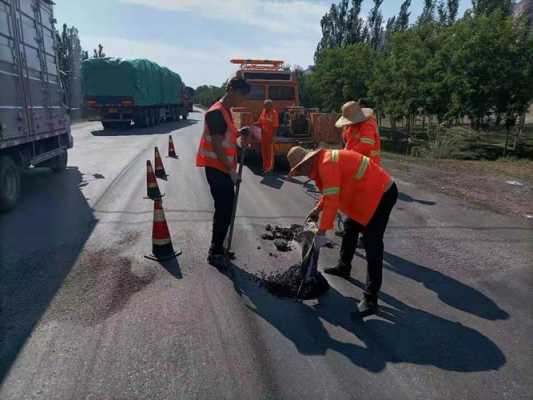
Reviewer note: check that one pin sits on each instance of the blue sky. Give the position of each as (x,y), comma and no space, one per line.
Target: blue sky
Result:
(197,38)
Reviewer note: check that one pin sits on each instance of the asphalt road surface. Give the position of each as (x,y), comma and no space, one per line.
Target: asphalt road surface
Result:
(85,316)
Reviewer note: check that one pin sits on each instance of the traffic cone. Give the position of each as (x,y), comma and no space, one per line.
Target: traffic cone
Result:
(151,183)
(159,168)
(171,149)
(162,249)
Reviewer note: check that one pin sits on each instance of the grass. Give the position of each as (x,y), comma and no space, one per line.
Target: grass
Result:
(505,168)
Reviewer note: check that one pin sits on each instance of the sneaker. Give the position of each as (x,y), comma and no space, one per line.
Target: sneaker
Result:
(365,308)
(338,270)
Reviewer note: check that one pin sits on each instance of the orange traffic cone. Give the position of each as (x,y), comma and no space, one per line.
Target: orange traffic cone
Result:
(151,183)
(171,149)
(162,249)
(159,169)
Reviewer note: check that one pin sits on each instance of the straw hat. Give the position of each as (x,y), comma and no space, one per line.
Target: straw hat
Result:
(352,113)
(298,156)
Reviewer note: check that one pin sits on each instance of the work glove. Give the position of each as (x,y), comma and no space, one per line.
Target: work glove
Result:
(235,177)
(245,131)
(320,240)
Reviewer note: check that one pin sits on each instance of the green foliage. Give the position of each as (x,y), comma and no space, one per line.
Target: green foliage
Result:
(99,53)
(206,95)
(480,7)
(341,75)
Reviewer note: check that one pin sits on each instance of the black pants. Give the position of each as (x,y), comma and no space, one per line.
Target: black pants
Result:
(373,241)
(223,192)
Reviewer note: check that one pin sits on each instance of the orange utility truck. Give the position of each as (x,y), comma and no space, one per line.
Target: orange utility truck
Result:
(270,79)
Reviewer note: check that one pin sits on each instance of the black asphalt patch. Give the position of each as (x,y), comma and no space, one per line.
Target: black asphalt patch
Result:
(289,284)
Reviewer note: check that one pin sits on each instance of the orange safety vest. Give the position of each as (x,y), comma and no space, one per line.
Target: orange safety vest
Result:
(269,121)
(364,138)
(350,182)
(206,156)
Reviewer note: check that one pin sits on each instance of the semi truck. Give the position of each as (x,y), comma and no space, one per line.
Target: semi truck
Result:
(34,122)
(120,92)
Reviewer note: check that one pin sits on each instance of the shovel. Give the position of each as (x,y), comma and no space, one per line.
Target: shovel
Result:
(310,255)
(234,211)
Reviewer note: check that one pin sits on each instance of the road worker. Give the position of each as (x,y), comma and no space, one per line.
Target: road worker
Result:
(362,190)
(269,123)
(360,133)
(360,130)
(218,154)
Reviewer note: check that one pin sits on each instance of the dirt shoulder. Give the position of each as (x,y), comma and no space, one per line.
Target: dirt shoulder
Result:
(505,187)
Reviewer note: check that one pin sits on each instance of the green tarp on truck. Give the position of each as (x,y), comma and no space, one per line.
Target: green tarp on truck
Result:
(144,81)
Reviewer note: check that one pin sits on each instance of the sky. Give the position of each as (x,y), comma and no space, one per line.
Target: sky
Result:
(197,38)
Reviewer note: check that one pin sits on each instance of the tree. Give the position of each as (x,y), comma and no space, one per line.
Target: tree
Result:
(375,21)
(341,75)
(206,95)
(453,9)
(428,13)
(480,7)
(402,22)
(99,53)
(442,12)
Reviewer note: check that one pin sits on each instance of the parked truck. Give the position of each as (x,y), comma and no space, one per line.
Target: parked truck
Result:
(34,123)
(124,91)
(269,79)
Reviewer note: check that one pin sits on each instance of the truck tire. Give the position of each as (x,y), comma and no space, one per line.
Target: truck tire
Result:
(10,183)
(107,125)
(59,164)
(155,113)
(185,116)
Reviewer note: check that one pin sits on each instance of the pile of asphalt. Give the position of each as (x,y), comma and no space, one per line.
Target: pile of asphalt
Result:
(283,235)
(288,284)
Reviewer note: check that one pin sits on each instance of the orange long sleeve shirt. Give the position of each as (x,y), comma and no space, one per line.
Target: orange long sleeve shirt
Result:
(364,138)
(269,121)
(349,182)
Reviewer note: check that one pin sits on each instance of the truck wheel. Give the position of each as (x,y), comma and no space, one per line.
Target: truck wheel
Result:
(10,183)
(156,117)
(107,125)
(185,116)
(59,163)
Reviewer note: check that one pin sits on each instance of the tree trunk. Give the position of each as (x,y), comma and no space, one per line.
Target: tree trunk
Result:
(508,131)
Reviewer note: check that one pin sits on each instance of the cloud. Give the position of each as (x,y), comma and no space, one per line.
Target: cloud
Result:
(290,16)
(198,66)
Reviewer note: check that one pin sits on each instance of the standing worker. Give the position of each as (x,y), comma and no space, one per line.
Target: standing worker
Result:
(218,154)
(360,133)
(362,190)
(360,130)
(269,123)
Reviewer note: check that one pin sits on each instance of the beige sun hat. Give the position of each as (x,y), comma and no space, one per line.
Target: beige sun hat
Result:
(352,113)
(298,156)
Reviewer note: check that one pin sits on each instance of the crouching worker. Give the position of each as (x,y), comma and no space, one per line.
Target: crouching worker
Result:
(218,154)
(362,190)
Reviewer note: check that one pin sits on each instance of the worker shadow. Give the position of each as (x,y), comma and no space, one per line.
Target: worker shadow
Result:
(449,290)
(399,334)
(273,179)
(408,199)
(163,128)
(41,240)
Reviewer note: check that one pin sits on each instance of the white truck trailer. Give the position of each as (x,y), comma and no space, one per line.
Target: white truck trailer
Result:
(34,122)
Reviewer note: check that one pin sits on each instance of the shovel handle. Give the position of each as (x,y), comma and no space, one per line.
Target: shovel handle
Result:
(237,190)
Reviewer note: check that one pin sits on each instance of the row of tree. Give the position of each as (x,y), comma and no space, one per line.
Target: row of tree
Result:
(477,66)
(207,94)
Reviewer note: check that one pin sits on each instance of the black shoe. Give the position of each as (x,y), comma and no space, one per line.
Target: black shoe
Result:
(338,270)
(217,260)
(365,308)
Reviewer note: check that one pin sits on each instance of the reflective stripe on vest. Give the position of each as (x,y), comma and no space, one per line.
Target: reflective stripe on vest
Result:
(226,143)
(367,140)
(375,153)
(331,191)
(362,168)
(335,155)
(213,155)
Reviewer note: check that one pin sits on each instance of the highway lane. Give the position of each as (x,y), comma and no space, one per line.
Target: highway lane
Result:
(85,316)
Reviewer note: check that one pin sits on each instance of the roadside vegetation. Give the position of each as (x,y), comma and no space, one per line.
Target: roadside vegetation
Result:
(442,86)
